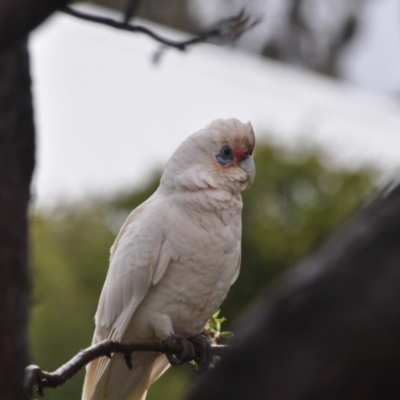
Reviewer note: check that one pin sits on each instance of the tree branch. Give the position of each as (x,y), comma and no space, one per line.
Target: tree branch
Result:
(35,376)
(229,29)
(17,159)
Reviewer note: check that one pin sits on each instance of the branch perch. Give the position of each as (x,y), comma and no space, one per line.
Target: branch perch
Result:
(229,29)
(34,375)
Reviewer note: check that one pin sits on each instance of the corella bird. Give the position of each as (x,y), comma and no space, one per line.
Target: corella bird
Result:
(174,258)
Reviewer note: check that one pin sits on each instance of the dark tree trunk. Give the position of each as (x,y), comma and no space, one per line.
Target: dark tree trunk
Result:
(19,17)
(17,147)
(16,168)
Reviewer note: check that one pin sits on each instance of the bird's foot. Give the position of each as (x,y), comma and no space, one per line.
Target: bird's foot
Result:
(204,355)
(188,352)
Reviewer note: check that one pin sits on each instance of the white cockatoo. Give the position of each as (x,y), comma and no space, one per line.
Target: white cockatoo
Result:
(174,258)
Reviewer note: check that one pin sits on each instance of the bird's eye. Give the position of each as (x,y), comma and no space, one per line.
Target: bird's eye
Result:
(225,156)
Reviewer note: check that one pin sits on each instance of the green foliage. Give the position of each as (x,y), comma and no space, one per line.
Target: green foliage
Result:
(213,329)
(69,263)
(295,201)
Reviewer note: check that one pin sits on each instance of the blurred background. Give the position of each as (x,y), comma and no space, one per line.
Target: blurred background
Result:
(320,81)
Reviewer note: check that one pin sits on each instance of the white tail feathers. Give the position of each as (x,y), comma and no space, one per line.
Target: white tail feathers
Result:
(112,380)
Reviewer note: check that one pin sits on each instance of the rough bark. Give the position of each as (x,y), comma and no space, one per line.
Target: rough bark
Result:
(16,167)
(333,330)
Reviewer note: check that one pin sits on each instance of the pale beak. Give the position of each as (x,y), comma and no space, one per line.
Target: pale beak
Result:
(247,165)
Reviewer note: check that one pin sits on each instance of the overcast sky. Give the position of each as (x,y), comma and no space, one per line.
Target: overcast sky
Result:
(106,117)
(373,59)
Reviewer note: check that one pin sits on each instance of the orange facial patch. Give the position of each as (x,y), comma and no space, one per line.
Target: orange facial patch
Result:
(239,154)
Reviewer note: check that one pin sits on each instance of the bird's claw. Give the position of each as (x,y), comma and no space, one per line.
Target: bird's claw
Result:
(204,354)
(188,352)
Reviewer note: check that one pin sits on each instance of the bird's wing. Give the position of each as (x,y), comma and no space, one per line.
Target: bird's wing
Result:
(139,258)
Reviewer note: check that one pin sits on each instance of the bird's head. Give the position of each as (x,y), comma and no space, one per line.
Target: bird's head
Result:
(216,157)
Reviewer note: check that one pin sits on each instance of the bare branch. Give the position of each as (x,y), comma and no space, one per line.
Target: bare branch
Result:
(35,376)
(228,30)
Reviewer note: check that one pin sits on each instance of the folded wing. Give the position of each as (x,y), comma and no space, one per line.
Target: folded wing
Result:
(138,260)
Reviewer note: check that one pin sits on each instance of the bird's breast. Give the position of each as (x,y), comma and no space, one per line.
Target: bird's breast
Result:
(191,292)
(205,251)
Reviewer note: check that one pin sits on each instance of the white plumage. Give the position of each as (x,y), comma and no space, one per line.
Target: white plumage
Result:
(174,258)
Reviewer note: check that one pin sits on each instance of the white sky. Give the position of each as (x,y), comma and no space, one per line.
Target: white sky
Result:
(373,58)
(106,116)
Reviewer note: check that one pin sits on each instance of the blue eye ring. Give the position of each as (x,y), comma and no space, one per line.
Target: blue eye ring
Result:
(225,155)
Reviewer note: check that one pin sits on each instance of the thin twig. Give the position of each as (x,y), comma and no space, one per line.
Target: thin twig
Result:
(35,376)
(229,29)
(131,9)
